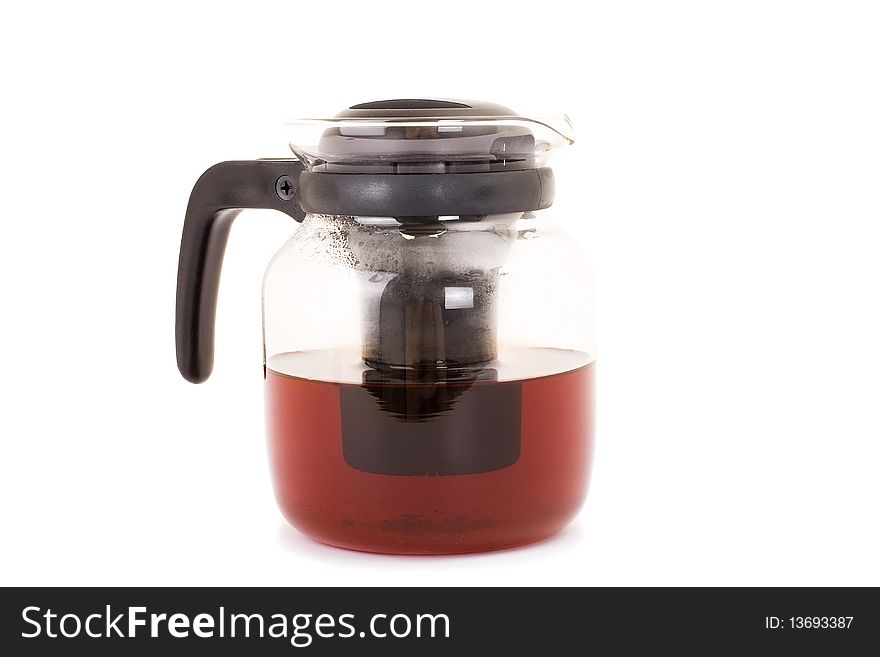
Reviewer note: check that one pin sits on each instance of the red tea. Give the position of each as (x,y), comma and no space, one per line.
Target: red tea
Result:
(474,462)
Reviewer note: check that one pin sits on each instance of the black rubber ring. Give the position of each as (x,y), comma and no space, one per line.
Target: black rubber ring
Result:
(422,195)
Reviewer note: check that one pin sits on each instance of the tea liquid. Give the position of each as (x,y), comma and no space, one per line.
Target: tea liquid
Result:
(478,461)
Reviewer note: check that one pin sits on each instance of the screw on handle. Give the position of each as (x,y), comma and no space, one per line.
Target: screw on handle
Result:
(217,198)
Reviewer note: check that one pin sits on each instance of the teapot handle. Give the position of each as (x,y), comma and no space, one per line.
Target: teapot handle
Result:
(217,198)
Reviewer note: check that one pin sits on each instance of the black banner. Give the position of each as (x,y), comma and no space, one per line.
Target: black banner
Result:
(337,621)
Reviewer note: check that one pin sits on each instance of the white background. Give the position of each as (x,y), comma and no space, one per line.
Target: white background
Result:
(725,184)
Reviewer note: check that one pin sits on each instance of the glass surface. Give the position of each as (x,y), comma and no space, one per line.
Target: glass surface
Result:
(430,387)
(425,144)
(324,288)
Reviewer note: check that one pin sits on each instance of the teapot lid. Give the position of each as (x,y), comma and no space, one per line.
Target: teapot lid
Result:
(427,135)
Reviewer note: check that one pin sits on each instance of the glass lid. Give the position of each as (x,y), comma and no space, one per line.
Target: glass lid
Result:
(427,136)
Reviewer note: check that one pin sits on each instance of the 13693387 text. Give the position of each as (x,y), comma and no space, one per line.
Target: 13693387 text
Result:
(808,622)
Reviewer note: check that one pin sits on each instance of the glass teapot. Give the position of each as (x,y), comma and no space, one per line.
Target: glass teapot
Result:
(428,333)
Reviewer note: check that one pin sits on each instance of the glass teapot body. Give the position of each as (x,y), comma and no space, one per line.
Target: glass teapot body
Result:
(429,375)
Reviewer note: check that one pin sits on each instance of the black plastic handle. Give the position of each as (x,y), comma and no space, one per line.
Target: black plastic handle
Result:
(218,196)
